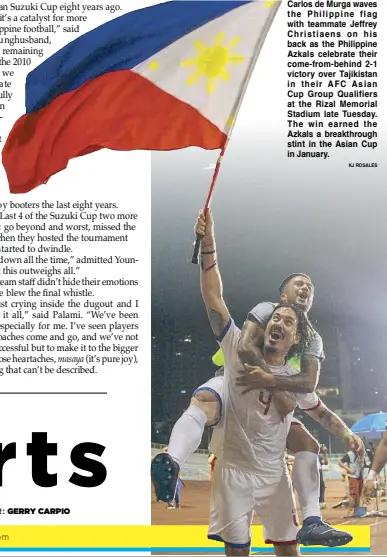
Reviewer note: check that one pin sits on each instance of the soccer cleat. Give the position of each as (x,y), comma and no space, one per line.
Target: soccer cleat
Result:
(164,474)
(321,533)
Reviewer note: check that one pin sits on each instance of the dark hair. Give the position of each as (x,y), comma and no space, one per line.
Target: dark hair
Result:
(289,277)
(304,329)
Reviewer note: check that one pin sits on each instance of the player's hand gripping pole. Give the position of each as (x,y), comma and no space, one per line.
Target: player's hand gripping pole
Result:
(195,255)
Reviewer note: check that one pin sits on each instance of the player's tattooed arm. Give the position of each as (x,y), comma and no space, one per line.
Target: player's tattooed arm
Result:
(304,382)
(332,423)
(380,458)
(378,463)
(250,343)
(210,279)
(216,320)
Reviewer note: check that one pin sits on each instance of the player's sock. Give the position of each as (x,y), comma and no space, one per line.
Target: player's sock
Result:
(187,434)
(306,481)
(311,520)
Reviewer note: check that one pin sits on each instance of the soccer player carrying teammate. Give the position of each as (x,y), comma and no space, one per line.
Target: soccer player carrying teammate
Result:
(251,474)
(206,404)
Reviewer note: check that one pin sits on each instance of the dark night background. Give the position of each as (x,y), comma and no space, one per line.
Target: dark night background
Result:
(270,220)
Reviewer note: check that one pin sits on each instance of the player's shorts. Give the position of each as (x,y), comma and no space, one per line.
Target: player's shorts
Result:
(235,495)
(215,386)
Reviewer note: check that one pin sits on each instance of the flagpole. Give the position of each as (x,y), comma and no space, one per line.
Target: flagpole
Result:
(261,40)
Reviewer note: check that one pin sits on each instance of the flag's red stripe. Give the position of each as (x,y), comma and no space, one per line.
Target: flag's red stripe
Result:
(120,110)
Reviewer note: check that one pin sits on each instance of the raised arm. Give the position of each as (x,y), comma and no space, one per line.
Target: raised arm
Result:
(210,279)
(332,423)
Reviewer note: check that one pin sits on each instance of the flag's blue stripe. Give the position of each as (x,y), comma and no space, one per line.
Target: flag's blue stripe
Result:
(120,44)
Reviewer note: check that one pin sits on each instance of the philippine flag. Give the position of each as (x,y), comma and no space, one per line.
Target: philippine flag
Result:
(164,77)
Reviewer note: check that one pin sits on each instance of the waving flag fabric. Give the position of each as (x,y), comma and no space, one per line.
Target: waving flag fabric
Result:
(164,77)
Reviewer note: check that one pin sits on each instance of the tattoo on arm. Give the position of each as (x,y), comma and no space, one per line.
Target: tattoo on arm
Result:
(380,457)
(299,383)
(330,421)
(305,381)
(216,321)
(250,345)
(255,358)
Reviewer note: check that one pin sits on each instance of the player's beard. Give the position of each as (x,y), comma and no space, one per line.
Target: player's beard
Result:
(277,350)
(273,350)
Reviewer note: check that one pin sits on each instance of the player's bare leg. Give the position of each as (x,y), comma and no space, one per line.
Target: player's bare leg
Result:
(306,481)
(185,439)
(287,549)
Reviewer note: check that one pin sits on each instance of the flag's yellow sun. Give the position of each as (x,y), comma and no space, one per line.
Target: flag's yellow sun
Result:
(211,62)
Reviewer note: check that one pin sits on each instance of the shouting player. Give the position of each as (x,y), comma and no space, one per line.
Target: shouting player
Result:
(205,408)
(250,474)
